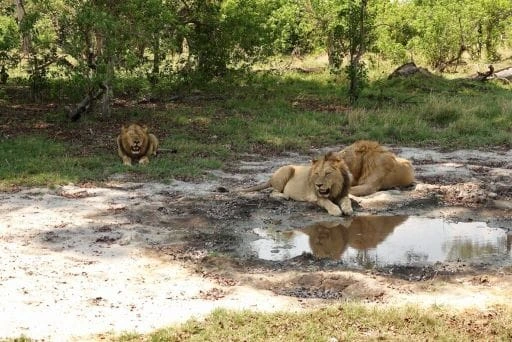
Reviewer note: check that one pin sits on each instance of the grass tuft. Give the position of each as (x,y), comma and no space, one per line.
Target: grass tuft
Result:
(349,321)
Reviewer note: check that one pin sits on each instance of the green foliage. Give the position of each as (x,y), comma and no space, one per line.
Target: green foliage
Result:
(9,40)
(394,30)
(188,43)
(440,31)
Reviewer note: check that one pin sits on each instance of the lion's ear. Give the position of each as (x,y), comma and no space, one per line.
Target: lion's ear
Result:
(362,149)
(123,128)
(145,128)
(334,156)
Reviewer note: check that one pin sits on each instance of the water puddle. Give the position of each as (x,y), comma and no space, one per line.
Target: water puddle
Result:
(378,241)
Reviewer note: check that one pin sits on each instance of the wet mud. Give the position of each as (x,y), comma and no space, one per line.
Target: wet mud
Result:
(456,218)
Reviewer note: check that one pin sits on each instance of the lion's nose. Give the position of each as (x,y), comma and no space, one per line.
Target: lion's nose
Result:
(319,185)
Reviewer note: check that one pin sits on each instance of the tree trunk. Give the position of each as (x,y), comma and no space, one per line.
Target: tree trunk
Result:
(26,46)
(156,57)
(356,52)
(107,86)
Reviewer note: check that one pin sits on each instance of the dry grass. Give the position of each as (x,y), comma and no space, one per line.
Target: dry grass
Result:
(346,322)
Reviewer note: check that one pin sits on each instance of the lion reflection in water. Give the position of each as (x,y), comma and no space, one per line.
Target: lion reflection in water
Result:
(330,239)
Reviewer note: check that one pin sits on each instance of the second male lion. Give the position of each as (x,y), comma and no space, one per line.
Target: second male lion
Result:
(135,144)
(326,182)
(375,168)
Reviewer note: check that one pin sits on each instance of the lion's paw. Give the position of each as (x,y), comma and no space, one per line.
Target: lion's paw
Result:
(348,211)
(279,195)
(335,211)
(346,206)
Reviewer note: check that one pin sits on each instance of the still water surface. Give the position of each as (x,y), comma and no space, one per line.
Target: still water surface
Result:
(370,241)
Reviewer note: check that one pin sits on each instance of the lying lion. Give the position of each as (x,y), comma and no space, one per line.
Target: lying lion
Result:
(325,182)
(136,144)
(375,168)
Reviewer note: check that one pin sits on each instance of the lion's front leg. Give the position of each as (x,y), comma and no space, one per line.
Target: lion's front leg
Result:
(363,189)
(126,159)
(346,206)
(144,160)
(368,186)
(279,195)
(331,208)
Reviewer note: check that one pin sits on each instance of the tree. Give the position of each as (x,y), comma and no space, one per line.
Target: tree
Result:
(359,26)
(9,41)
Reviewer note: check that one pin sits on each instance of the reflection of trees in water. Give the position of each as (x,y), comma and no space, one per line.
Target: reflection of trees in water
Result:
(466,249)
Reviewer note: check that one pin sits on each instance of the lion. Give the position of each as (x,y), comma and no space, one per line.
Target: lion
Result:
(375,168)
(326,182)
(136,144)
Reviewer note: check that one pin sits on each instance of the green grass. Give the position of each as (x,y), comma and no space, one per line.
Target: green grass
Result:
(35,160)
(38,160)
(347,322)
(261,113)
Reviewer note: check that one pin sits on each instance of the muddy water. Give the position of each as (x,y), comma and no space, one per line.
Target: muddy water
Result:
(380,241)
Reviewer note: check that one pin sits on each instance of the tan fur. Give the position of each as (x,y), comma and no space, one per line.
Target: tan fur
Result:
(375,168)
(330,239)
(326,182)
(135,144)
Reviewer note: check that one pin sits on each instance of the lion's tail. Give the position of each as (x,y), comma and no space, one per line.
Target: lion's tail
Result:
(257,187)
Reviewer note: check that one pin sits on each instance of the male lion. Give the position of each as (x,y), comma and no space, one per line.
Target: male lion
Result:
(375,168)
(136,144)
(325,182)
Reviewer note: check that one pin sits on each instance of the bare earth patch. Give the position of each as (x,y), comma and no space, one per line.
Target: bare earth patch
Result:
(80,261)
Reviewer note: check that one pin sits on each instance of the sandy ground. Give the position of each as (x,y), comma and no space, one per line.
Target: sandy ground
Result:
(79,261)
(69,268)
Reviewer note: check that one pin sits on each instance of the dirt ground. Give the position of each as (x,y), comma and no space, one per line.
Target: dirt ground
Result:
(79,262)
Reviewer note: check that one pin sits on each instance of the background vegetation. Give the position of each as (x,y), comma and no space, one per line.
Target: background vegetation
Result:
(214,79)
(172,43)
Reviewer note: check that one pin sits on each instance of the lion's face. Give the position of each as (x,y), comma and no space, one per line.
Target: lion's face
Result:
(134,139)
(329,176)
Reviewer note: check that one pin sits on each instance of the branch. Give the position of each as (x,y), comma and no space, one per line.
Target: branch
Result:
(83,106)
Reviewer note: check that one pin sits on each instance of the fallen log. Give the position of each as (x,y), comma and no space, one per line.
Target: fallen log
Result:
(483,76)
(504,75)
(84,106)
